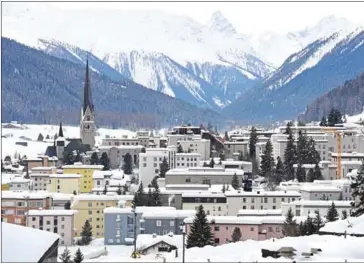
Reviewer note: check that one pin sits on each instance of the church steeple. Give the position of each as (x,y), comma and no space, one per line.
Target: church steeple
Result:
(87,96)
(60,132)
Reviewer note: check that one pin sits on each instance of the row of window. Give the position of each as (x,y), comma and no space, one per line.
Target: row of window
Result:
(21,204)
(159,223)
(265,200)
(90,204)
(261,207)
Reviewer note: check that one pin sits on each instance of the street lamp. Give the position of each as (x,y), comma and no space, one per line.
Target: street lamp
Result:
(135,215)
(183,230)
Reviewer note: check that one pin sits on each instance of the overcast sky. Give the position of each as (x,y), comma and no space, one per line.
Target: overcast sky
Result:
(245,17)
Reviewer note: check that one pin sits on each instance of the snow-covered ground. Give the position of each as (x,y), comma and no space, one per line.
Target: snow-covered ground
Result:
(334,249)
(355,118)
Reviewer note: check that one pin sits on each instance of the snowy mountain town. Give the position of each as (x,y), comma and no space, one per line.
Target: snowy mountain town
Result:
(139,153)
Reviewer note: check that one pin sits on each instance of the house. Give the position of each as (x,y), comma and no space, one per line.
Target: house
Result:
(305,207)
(116,154)
(259,200)
(14,205)
(25,244)
(64,183)
(91,207)
(153,244)
(60,222)
(203,175)
(231,147)
(321,192)
(86,172)
(164,222)
(40,161)
(20,184)
(101,178)
(119,223)
(214,203)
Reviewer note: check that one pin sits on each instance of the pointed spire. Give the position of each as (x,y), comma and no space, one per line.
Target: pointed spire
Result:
(60,132)
(87,98)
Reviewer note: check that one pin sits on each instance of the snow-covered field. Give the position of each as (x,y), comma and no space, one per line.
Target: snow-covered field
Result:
(334,249)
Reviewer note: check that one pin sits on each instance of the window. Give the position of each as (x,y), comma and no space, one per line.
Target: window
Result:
(278,229)
(188,180)
(158,223)
(163,249)
(48,229)
(227,228)
(33,218)
(265,200)
(219,208)
(17,221)
(261,207)
(144,164)
(62,226)
(155,164)
(89,204)
(217,240)
(252,207)
(208,212)
(171,223)
(217,228)
(274,200)
(90,212)
(270,229)
(244,207)
(48,223)
(164,232)
(155,159)
(244,200)
(282,199)
(293,199)
(130,220)
(274,207)
(62,219)
(252,229)
(110,241)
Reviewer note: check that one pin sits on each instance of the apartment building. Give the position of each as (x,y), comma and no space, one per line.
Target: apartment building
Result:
(40,181)
(214,203)
(14,205)
(44,170)
(60,222)
(20,184)
(143,137)
(65,183)
(59,200)
(116,154)
(323,192)
(233,147)
(119,141)
(91,207)
(101,178)
(86,172)
(259,200)
(253,212)
(203,175)
(306,207)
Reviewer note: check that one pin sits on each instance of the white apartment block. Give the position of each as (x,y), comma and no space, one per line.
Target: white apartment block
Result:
(119,141)
(101,178)
(60,222)
(116,154)
(44,170)
(214,203)
(232,147)
(192,143)
(143,137)
(20,184)
(259,200)
(40,181)
(305,207)
(323,192)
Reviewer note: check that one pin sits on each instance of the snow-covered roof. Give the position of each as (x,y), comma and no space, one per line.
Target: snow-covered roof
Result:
(250,220)
(43,168)
(169,214)
(51,212)
(39,175)
(244,212)
(65,176)
(139,209)
(25,195)
(351,225)
(93,197)
(17,180)
(349,155)
(319,203)
(82,166)
(145,240)
(203,194)
(236,142)
(322,188)
(24,244)
(62,196)
(168,186)
(101,174)
(306,165)
(207,171)
(263,193)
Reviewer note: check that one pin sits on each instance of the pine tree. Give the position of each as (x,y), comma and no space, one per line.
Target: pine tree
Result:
(222,156)
(179,148)
(332,214)
(67,205)
(289,157)
(289,226)
(65,257)
(150,197)
(156,193)
(200,234)
(236,236)
(105,161)
(119,191)
(143,150)
(310,227)
(252,142)
(74,192)
(94,158)
(357,187)
(226,136)
(267,166)
(40,137)
(164,168)
(86,233)
(323,121)
(288,128)
(302,230)
(105,190)
(241,157)
(310,175)
(235,182)
(312,155)
(47,137)
(128,164)
(300,173)
(279,171)
(302,148)
(344,215)
(223,188)
(317,173)
(139,196)
(78,157)
(212,163)
(318,223)
(78,258)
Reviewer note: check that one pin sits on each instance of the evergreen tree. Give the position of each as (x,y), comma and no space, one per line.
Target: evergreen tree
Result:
(289,157)
(139,196)
(94,158)
(74,192)
(279,171)
(252,142)
(222,156)
(68,158)
(47,137)
(236,236)
(119,191)
(241,157)
(300,173)
(105,190)
(212,163)
(40,137)
(223,188)
(344,215)
(310,227)
(205,164)
(332,214)
(150,197)
(334,117)
(128,164)
(65,257)
(156,193)
(288,128)
(78,258)
(67,205)
(200,234)
(323,121)
(302,230)
(302,148)
(267,166)
(289,226)
(317,173)
(78,157)
(312,155)
(310,175)
(357,187)
(143,150)
(318,223)
(105,161)
(235,182)
(86,233)
(179,148)
(164,167)
(226,136)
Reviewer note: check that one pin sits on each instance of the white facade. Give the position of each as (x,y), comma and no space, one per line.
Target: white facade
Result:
(258,200)
(213,203)
(191,143)
(323,192)
(40,181)
(20,184)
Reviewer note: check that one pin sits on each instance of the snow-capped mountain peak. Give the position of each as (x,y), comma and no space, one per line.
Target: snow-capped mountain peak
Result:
(220,23)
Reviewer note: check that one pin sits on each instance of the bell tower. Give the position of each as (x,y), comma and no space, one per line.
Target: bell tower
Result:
(87,124)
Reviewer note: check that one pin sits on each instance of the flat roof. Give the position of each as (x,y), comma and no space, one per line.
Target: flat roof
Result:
(51,212)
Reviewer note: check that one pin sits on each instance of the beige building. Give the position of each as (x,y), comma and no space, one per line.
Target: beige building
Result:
(91,207)
(64,183)
(60,222)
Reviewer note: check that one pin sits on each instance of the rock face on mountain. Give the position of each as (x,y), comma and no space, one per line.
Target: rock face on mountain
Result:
(39,88)
(348,99)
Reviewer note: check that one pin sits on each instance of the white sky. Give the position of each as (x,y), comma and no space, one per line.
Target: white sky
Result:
(245,17)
